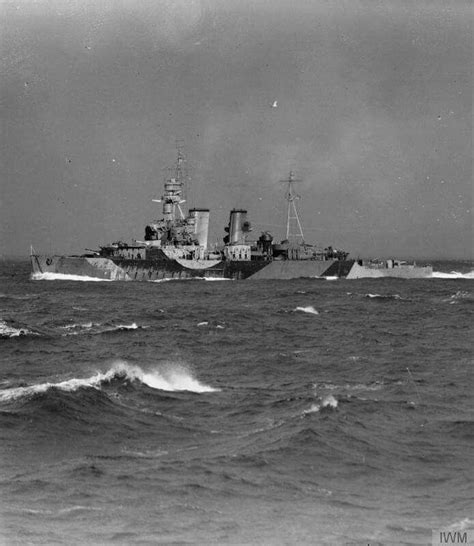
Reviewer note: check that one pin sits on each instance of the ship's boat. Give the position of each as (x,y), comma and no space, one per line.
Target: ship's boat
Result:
(176,247)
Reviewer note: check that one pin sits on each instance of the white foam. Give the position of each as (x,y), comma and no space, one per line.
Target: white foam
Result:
(10,331)
(68,385)
(310,309)
(329,402)
(452,275)
(86,325)
(384,296)
(203,323)
(313,409)
(48,276)
(174,377)
(76,329)
(133,326)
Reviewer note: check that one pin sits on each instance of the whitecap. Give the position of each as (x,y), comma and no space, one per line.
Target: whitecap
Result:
(313,409)
(329,402)
(310,309)
(175,378)
(86,326)
(10,331)
(133,326)
(68,385)
(203,323)
(384,296)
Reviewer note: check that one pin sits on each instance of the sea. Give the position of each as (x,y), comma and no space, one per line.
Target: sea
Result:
(307,411)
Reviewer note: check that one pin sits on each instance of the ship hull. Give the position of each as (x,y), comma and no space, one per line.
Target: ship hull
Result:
(153,270)
(120,269)
(398,272)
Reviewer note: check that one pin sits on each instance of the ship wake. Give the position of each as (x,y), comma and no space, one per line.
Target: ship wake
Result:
(453,275)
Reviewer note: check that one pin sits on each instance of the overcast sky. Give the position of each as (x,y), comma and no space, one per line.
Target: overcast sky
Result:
(373,113)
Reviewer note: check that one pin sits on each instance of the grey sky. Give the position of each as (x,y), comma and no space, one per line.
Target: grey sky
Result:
(374,114)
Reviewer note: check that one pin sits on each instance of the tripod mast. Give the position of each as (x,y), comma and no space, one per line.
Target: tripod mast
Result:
(292,219)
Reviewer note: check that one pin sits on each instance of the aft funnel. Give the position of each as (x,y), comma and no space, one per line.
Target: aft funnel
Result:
(201,225)
(238,226)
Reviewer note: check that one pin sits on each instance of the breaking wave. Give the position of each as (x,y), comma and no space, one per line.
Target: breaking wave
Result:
(93,328)
(328,403)
(309,309)
(85,326)
(173,378)
(384,296)
(64,277)
(7,330)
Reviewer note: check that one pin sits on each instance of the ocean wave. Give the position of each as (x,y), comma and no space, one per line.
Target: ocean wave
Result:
(375,386)
(85,326)
(458,297)
(22,297)
(328,403)
(147,454)
(95,328)
(8,330)
(461,525)
(309,309)
(452,275)
(384,296)
(313,409)
(211,324)
(48,276)
(61,511)
(174,377)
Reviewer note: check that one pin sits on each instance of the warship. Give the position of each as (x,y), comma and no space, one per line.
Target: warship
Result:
(176,247)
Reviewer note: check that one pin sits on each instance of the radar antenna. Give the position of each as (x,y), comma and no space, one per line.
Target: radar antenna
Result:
(292,219)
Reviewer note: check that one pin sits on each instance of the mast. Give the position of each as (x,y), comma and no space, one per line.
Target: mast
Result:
(175,187)
(292,218)
(181,174)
